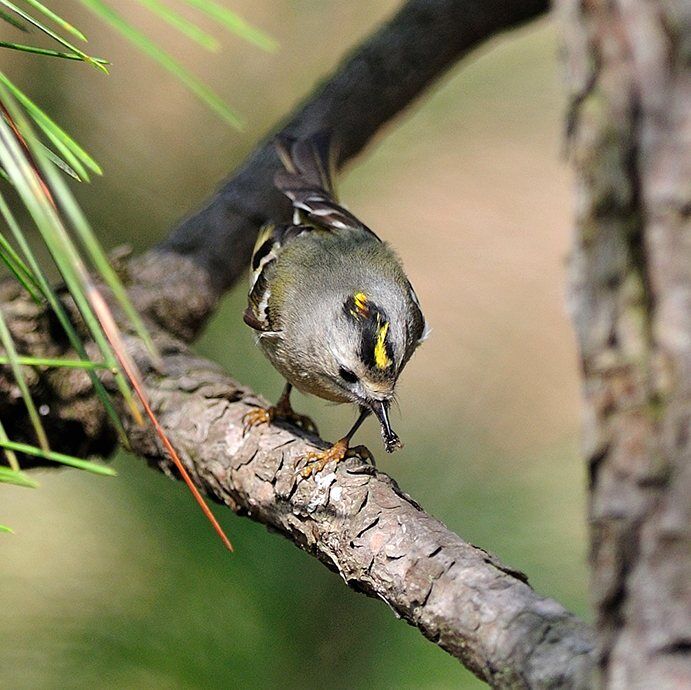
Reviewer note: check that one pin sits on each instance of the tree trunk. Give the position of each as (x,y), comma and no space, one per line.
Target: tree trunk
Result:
(630,134)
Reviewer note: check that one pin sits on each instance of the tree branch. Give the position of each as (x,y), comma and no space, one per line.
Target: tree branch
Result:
(356,520)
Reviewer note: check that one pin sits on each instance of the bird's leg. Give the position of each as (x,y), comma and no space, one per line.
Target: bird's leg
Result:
(282,410)
(317,460)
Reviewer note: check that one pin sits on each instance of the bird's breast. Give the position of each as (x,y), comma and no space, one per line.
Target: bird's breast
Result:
(291,367)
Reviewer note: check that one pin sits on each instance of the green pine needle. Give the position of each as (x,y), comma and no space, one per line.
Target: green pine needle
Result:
(70,150)
(25,170)
(55,363)
(59,163)
(183,25)
(235,23)
(8,476)
(16,23)
(202,91)
(56,37)
(62,23)
(20,270)
(9,454)
(31,188)
(48,52)
(60,458)
(19,275)
(8,345)
(98,257)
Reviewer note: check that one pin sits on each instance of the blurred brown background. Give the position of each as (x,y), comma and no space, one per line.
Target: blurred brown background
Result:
(120,583)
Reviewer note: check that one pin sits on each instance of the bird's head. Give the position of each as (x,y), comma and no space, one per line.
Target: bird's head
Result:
(369,344)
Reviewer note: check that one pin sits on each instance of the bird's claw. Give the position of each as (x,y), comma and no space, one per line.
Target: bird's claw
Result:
(256,417)
(316,461)
(261,415)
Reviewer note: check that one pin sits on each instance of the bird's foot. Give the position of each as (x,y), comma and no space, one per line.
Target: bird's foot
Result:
(318,460)
(282,411)
(256,417)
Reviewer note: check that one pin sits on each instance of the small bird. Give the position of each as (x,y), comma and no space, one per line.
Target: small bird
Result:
(330,302)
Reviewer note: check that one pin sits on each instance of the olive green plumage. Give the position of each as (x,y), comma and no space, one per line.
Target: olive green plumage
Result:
(331,303)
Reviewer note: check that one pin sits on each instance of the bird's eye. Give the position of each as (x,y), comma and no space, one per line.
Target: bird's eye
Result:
(347,375)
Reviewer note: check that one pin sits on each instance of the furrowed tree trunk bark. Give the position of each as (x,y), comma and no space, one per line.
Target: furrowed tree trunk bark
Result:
(627,63)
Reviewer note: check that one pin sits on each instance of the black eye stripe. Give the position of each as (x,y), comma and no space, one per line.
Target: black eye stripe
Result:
(347,375)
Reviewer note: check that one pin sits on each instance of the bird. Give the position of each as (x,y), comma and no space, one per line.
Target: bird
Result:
(330,302)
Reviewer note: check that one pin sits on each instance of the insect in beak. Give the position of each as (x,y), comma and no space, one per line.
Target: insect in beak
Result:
(381,410)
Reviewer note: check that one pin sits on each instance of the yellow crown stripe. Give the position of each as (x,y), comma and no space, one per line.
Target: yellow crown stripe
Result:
(381,359)
(360,299)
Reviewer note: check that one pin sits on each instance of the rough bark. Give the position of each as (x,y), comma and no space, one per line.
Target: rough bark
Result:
(628,66)
(355,520)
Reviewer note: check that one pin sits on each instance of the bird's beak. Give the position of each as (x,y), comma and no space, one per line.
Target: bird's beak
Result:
(391,440)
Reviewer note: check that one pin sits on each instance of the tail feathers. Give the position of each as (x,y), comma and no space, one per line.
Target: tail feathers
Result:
(308,182)
(309,165)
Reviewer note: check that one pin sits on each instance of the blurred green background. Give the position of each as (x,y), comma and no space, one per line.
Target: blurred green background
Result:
(120,583)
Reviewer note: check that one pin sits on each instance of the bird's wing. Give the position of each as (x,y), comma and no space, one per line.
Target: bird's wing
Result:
(307,181)
(271,239)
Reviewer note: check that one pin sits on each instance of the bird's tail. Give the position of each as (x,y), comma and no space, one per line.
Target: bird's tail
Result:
(309,165)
